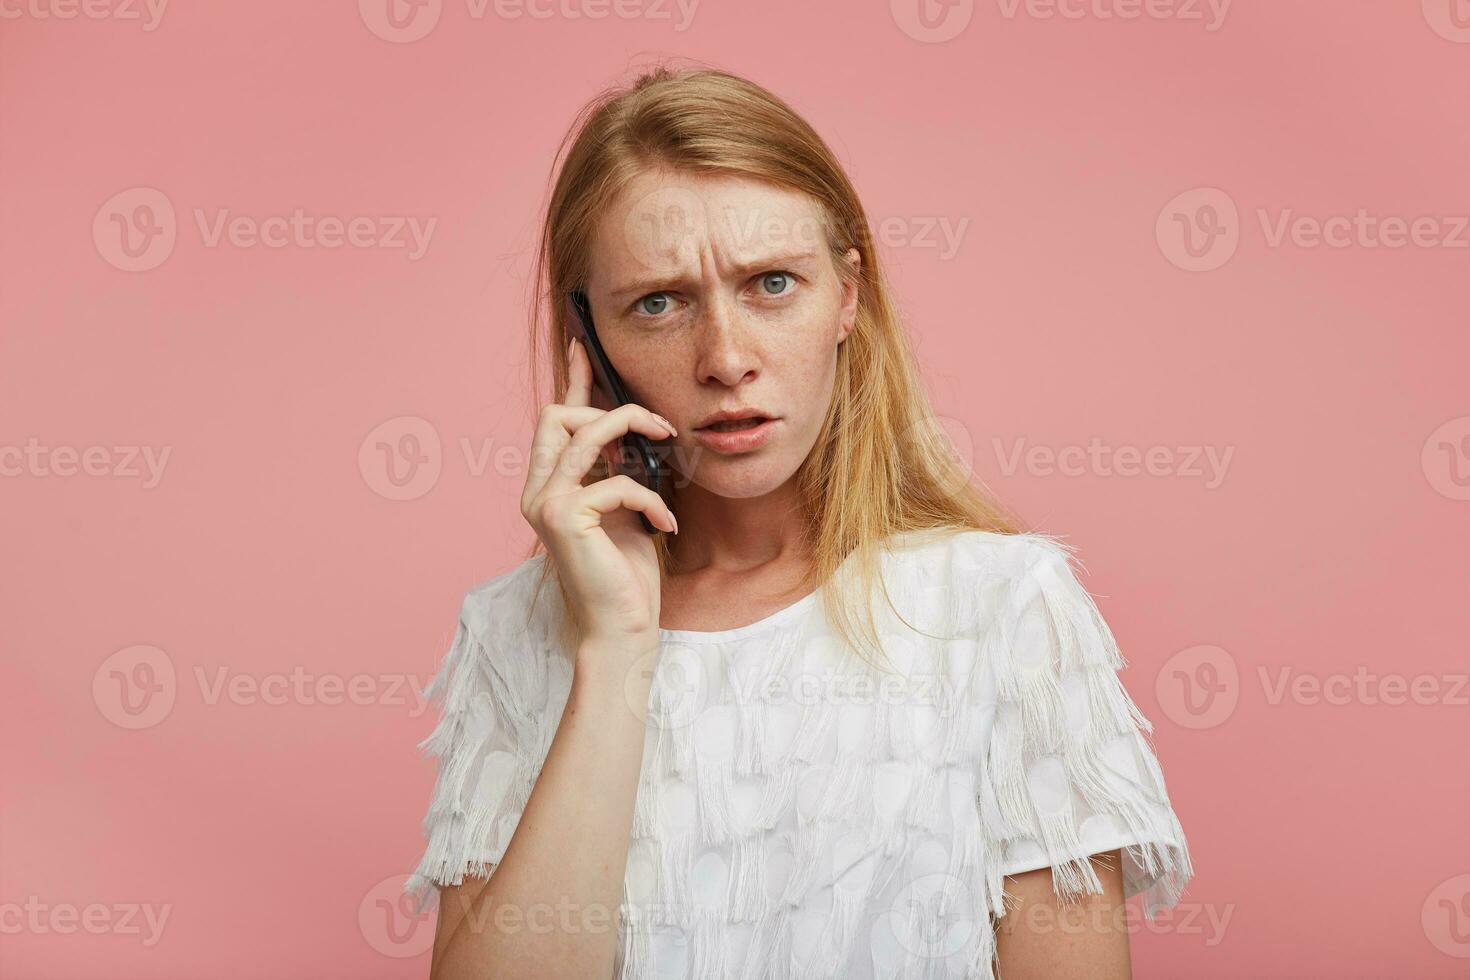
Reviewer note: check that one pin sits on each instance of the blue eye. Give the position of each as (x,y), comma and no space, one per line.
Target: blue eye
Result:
(661,299)
(781,279)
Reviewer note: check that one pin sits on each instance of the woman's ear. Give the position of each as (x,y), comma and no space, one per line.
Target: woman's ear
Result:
(847,315)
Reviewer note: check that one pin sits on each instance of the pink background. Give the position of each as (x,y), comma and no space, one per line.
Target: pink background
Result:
(1329,837)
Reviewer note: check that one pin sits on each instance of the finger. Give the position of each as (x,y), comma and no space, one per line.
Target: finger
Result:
(579,377)
(588,439)
(554,429)
(584,509)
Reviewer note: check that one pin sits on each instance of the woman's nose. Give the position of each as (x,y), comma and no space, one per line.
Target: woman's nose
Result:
(726,353)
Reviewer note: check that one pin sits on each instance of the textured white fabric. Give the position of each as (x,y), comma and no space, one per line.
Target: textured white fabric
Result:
(793,820)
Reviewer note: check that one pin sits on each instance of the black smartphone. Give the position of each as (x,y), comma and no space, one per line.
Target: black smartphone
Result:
(637,456)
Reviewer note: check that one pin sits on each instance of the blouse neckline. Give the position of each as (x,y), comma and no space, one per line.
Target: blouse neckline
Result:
(721,636)
(790,612)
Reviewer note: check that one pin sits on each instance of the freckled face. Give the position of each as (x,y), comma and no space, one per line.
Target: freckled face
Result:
(713,293)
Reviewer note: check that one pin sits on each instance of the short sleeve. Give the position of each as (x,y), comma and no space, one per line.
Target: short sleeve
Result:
(490,737)
(1070,771)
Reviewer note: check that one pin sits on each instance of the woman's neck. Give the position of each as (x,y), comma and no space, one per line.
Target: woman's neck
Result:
(735,535)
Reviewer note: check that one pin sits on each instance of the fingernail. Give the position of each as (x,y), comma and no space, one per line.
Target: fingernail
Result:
(571,348)
(675,520)
(667,424)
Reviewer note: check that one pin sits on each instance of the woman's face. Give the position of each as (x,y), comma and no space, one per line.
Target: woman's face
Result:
(714,293)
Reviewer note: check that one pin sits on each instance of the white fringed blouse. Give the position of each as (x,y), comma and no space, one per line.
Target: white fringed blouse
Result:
(801,813)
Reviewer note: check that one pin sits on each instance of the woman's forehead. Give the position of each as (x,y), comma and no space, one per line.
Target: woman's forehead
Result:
(669,223)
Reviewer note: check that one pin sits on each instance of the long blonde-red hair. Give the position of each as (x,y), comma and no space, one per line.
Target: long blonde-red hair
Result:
(881,464)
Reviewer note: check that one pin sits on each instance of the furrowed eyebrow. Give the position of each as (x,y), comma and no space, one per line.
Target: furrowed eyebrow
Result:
(654,284)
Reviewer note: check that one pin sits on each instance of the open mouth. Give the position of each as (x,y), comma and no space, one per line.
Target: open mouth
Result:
(734,436)
(736,425)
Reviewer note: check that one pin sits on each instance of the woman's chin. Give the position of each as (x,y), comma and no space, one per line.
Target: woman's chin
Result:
(740,478)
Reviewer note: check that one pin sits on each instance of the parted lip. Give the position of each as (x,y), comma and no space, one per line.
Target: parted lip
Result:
(733,415)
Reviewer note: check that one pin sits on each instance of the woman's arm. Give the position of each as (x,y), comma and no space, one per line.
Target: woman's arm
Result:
(550,908)
(1040,939)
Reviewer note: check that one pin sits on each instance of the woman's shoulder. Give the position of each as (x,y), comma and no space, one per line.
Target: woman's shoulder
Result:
(507,605)
(507,639)
(972,578)
(974,551)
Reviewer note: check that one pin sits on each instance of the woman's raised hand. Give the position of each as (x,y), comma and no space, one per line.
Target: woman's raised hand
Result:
(603,555)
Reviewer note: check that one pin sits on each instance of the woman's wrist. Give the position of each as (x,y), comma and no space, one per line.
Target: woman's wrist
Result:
(623,648)
(617,663)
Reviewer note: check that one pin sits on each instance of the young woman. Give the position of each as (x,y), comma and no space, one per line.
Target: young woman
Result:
(840,717)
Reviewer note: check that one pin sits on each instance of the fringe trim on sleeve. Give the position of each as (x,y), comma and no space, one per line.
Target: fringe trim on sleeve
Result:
(1051,634)
(487,741)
